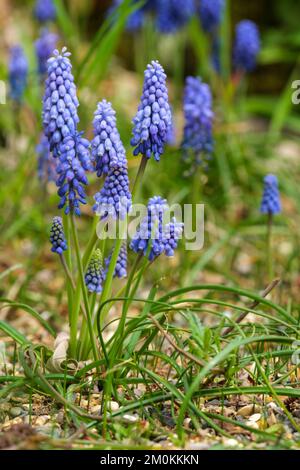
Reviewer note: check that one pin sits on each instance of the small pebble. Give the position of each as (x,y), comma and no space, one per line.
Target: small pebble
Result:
(130,418)
(15,411)
(248,410)
(95,409)
(42,420)
(113,406)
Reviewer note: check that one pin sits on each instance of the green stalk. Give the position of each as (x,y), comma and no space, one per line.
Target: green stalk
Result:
(84,339)
(83,347)
(139,176)
(270,263)
(91,244)
(111,269)
(83,289)
(120,330)
(67,265)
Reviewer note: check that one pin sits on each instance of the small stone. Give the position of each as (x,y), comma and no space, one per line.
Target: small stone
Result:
(255,417)
(271,420)
(130,418)
(248,410)
(113,406)
(15,411)
(42,420)
(252,424)
(60,417)
(95,409)
(12,422)
(231,442)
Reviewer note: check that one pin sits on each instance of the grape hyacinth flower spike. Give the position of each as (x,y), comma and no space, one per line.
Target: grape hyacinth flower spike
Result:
(211,12)
(173,14)
(246,47)
(172,232)
(46,161)
(94,275)
(73,161)
(153,119)
(270,203)
(60,103)
(121,265)
(197,138)
(148,239)
(57,236)
(45,10)
(114,199)
(107,149)
(18,72)
(44,46)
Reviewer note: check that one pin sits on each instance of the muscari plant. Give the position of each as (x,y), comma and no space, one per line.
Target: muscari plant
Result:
(270,206)
(44,46)
(45,10)
(91,284)
(197,142)
(18,73)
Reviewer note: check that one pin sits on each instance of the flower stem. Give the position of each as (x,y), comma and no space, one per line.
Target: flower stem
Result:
(83,289)
(139,176)
(111,269)
(67,271)
(270,263)
(120,330)
(67,265)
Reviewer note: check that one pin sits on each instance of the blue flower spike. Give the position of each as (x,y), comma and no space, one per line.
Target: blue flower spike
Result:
(211,13)
(60,103)
(45,10)
(246,46)
(153,120)
(153,237)
(46,162)
(18,73)
(44,47)
(270,203)
(121,265)
(107,149)
(197,138)
(172,15)
(57,236)
(94,275)
(114,199)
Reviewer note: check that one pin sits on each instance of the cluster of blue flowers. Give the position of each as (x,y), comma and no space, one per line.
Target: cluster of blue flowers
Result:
(153,237)
(94,275)
(153,120)
(57,236)
(46,161)
(197,138)
(18,73)
(45,11)
(44,46)
(172,15)
(247,46)
(107,148)
(60,117)
(270,203)
(75,156)
(121,264)
(114,199)
(210,12)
